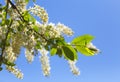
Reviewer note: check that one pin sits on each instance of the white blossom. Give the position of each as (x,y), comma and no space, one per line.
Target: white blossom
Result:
(21,4)
(15,71)
(73,67)
(40,12)
(29,55)
(64,29)
(45,62)
(10,55)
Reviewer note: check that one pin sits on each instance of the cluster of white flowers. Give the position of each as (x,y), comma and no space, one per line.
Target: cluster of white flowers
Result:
(15,71)
(54,31)
(45,62)
(64,29)
(9,55)
(93,48)
(73,67)
(30,41)
(17,42)
(40,12)
(58,30)
(3,31)
(29,55)
(21,4)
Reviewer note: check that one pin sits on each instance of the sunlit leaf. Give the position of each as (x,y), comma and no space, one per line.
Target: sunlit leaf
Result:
(82,40)
(85,51)
(53,51)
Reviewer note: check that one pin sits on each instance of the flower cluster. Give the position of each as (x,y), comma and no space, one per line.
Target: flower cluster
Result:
(73,67)
(29,55)
(40,12)
(64,29)
(54,31)
(45,62)
(21,4)
(15,71)
(10,55)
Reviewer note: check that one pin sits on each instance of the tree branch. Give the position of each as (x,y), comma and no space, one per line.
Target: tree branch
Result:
(14,7)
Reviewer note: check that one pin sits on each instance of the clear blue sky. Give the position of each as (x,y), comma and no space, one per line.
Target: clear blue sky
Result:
(100,18)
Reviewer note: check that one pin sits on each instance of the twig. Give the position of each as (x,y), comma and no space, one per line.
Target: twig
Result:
(14,7)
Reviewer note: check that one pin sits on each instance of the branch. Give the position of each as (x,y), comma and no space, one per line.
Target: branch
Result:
(14,7)
(22,19)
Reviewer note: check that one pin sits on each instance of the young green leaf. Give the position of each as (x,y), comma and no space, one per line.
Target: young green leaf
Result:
(69,53)
(85,51)
(53,51)
(82,40)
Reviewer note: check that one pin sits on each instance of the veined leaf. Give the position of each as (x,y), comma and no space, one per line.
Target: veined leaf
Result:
(69,53)
(85,51)
(82,40)
(53,51)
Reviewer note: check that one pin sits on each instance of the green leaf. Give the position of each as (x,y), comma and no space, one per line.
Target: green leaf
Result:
(59,52)
(85,51)
(53,51)
(69,53)
(36,28)
(82,40)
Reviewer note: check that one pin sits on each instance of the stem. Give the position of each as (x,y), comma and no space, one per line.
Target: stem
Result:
(14,7)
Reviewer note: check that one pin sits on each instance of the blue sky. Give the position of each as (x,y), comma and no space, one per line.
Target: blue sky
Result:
(100,18)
